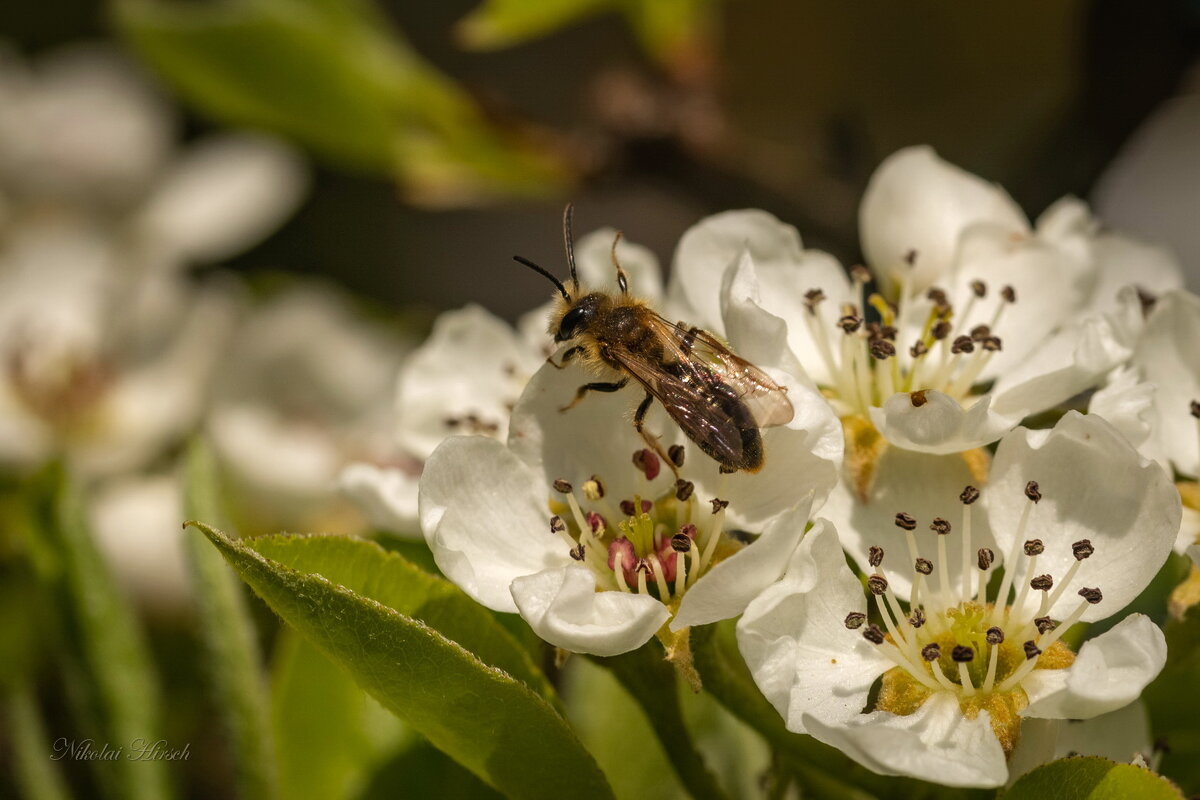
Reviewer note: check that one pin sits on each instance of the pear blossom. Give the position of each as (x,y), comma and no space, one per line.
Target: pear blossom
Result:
(466,378)
(1081,524)
(305,391)
(579,527)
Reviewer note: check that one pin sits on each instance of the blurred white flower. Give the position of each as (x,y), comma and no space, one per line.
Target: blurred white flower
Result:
(466,378)
(1082,524)
(83,135)
(578,527)
(305,391)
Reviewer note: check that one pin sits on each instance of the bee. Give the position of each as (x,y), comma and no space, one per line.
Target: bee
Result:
(719,400)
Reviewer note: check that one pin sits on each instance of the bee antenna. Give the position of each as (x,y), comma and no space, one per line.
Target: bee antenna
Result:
(569,242)
(557,283)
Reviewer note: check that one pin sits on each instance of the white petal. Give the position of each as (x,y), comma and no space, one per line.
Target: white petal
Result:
(273,455)
(917,202)
(1109,673)
(472,364)
(1094,486)
(1065,364)
(388,497)
(1126,403)
(1167,356)
(796,644)
(484,516)
(564,608)
(923,485)
(726,589)
(940,425)
(1125,261)
(137,526)
(1189,532)
(1119,735)
(224,195)
(595,437)
(714,244)
(935,743)
(593,257)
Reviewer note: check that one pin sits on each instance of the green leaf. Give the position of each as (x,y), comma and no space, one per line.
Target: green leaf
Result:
(422,771)
(108,658)
(651,680)
(1174,703)
(330,735)
(36,772)
(334,76)
(480,715)
(365,568)
(1091,778)
(231,641)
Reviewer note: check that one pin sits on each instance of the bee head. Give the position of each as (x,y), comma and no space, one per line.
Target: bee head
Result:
(578,317)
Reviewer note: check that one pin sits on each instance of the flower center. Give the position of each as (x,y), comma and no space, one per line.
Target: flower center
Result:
(658,546)
(954,639)
(62,388)
(866,365)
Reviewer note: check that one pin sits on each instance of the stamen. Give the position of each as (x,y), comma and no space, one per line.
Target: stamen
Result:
(1010,564)
(962,656)
(995,637)
(578,552)
(969,495)
(593,489)
(676,453)
(854,620)
(1082,550)
(942,528)
(718,504)
(1009,294)
(642,569)
(931,651)
(984,559)
(647,462)
(979,288)
(917,617)
(873,634)
(874,556)
(683,489)
(812,299)
(660,579)
(563,486)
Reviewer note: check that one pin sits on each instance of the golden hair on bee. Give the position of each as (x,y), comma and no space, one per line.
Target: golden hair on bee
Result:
(718,399)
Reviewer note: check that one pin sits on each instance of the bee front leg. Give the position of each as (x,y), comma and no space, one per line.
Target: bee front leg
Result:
(567,355)
(595,387)
(639,424)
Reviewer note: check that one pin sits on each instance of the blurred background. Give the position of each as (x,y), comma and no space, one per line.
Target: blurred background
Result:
(241,216)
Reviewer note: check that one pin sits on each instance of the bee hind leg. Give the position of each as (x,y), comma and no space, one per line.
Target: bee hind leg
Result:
(639,424)
(595,387)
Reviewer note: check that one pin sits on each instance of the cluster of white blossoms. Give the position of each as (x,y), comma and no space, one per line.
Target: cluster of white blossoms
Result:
(947,655)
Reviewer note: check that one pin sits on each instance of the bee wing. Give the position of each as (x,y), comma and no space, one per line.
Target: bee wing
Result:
(766,400)
(689,398)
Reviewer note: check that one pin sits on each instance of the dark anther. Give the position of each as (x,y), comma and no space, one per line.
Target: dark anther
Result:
(993,344)
(1082,549)
(938,296)
(1034,547)
(962,654)
(1041,583)
(1195,408)
(1032,651)
(452,422)
(684,489)
(979,288)
(877,584)
(812,298)
(597,486)
(647,462)
(905,521)
(916,618)
(860,273)
(627,508)
(681,542)
(910,257)
(1093,596)
(1044,625)
(874,555)
(1032,491)
(850,323)
(931,652)
(918,349)
(939,526)
(873,635)
(1009,294)
(994,635)
(882,349)
(984,558)
(854,620)
(1147,300)
(562,486)
(676,452)
(888,332)
(923,566)
(918,398)
(969,495)
(962,344)
(577,552)
(557,525)
(980,332)
(718,504)
(941,330)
